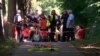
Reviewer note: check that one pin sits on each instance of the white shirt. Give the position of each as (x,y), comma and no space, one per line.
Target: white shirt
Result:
(56,17)
(19,17)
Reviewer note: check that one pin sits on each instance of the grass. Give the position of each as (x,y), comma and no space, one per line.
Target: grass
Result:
(7,47)
(92,39)
(87,41)
(43,49)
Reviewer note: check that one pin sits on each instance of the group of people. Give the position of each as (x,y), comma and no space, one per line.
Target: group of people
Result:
(42,27)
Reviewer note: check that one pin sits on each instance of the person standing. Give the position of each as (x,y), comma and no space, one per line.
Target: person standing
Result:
(17,17)
(64,18)
(43,27)
(36,17)
(17,22)
(70,26)
(53,18)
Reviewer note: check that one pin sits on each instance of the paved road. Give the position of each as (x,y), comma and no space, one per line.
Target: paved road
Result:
(66,49)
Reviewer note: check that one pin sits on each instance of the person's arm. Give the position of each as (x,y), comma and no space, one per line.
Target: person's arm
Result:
(71,17)
(62,18)
(14,19)
(77,34)
(49,17)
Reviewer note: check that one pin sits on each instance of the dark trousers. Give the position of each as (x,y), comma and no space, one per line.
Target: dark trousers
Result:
(52,33)
(19,32)
(31,35)
(64,33)
(19,29)
(68,33)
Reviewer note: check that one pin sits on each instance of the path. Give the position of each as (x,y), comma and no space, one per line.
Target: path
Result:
(66,49)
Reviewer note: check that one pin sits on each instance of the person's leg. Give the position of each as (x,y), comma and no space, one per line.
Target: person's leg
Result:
(59,37)
(19,34)
(68,34)
(31,35)
(72,34)
(64,34)
(46,36)
(63,37)
(45,39)
(42,39)
(68,38)
(52,34)
(21,38)
(49,36)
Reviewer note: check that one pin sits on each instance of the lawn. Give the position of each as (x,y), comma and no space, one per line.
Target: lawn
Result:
(7,47)
(43,49)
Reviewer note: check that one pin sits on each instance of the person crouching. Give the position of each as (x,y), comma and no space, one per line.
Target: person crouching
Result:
(25,33)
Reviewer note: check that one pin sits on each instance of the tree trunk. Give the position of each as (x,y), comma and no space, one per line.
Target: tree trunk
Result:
(24,6)
(11,9)
(1,31)
(1,27)
(21,6)
(11,14)
(3,7)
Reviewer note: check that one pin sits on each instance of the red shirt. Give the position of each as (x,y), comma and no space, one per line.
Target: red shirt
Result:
(81,33)
(26,32)
(43,23)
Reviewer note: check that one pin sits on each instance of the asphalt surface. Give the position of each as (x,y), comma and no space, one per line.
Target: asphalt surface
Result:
(65,49)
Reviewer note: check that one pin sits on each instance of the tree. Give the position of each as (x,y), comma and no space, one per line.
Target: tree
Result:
(1,25)
(11,9)
(48,5)
(4,7)
(83,11)
(24,6)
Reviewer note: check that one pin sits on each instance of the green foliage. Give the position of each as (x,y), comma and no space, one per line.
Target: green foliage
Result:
(87,13)
(77,6)
(48,5)
(92,36)
(85,10)
(43,49)
(92,12)
(7,47)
